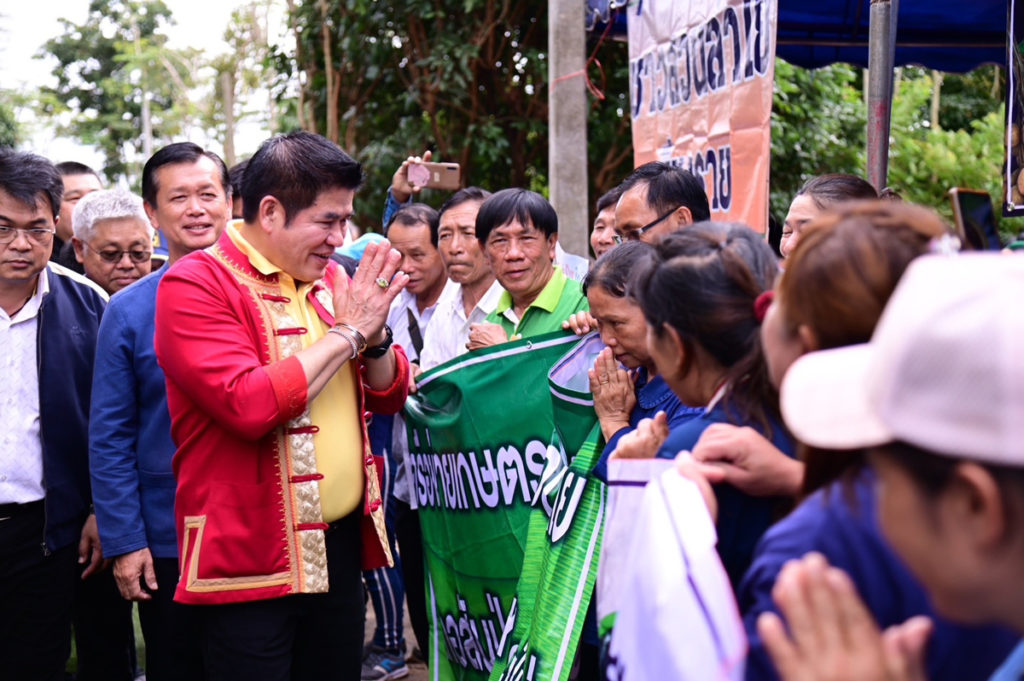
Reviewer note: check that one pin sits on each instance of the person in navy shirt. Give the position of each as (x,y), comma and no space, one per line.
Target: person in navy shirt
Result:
(835,286)
(187,196)
(703,334)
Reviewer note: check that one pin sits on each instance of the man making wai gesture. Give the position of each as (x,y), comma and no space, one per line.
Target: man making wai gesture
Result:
(273,359)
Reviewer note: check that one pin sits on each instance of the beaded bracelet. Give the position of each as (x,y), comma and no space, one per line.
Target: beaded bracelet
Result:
(360,338)
(348,337)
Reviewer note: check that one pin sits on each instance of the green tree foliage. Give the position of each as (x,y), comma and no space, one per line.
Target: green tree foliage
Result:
(241,76)
(926,162)
(9,132)
(969,96)
(818,126)
(464,78)
(112,69)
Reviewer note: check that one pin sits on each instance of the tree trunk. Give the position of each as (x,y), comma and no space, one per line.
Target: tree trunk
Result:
(331,76)
(227,95)
(936,98)
(147,122)
(300,108)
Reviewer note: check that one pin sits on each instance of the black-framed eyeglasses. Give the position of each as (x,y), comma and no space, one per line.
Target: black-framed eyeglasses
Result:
(113,257)
(635,234)
(36,235)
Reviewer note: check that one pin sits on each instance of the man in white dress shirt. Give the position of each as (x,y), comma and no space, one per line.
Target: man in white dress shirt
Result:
(472,292)
(412,231)
(49,318)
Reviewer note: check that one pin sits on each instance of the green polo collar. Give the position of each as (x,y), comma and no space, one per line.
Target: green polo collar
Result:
(547,300)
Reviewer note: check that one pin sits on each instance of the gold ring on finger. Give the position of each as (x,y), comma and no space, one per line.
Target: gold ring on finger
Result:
(382,282)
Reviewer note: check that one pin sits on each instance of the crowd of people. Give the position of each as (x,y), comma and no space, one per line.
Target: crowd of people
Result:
(204,387)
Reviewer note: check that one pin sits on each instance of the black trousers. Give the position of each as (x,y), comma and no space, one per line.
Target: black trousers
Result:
(410,544)
(172,630)
(314,637)
(104,633)
(37,589)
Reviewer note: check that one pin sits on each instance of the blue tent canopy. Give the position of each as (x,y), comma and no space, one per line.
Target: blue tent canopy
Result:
(949,35)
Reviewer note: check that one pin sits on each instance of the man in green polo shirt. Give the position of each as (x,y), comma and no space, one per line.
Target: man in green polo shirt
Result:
(518,230)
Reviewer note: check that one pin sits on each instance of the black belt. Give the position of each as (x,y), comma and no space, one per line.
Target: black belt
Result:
(12,510)
(351,521)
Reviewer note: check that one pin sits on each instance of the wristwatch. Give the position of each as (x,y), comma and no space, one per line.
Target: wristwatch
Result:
(382,349)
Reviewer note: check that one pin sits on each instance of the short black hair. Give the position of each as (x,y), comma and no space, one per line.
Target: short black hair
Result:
(609,198)
(179,152)
(25,176)
(75,168)
(668,188)
(703,284)
(417,214)
(615,270)
(235,175)
(515,204)
(347,263)
(832,188)
(295,168)
(463,196)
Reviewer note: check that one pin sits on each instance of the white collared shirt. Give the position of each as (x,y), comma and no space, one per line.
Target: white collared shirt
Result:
(573,266)
(449,331)
(21,450)
(398,320)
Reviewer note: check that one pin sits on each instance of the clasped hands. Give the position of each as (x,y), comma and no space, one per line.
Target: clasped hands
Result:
(364,302)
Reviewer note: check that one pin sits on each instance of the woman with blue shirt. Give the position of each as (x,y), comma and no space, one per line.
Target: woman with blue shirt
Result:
(836,284)
(700,300)
(624,381)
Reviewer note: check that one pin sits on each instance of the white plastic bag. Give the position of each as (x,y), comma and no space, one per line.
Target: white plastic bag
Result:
(676,614)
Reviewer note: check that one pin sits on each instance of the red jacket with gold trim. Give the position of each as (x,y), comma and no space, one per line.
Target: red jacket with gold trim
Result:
(247,507)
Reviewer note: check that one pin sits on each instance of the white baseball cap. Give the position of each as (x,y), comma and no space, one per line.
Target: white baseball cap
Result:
(944,370)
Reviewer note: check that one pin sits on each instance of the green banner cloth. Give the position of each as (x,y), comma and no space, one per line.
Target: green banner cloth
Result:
(480,429)
(564,537)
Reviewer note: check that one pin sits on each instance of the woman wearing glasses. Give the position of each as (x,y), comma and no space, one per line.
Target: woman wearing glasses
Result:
(113,238)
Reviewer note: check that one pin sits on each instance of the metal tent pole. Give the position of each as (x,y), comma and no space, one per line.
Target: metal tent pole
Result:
(881,57)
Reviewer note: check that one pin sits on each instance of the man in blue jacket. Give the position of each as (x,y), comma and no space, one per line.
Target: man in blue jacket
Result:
(49,318)
(187,196)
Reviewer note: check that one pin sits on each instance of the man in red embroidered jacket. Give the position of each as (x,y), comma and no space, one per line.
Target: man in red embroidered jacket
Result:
(273,357)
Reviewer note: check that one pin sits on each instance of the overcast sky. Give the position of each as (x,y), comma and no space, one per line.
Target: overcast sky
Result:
(25,25)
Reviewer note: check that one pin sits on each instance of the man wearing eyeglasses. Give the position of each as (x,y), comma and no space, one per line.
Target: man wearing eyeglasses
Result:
(49,318)
(657,199)
(113,238)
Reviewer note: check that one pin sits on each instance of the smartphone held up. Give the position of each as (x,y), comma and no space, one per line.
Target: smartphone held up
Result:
(435,175)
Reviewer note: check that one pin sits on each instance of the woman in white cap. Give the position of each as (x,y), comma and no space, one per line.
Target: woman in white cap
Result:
(831,295)
(937,399)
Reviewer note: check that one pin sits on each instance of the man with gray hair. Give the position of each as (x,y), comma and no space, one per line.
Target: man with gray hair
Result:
(113,238)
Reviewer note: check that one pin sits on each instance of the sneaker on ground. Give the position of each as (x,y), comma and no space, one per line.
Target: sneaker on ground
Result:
(381,664)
